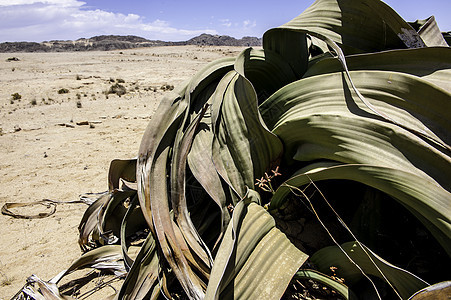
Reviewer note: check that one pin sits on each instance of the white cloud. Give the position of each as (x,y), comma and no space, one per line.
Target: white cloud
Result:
(39,20)
(249,24)
(28,2)
(237,28)
(226,23)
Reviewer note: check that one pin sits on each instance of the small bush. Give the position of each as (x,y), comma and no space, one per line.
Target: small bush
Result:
(33,102)
(5,282)
(117,89)
(79,104)
(16,96)
(167,87)
(63,91)
(119,80)
(78,77)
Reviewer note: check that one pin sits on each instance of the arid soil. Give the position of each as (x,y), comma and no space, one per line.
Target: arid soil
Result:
(45,154)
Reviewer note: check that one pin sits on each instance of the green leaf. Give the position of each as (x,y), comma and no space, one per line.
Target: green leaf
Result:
(168,234)
(318,118)
(107,257)
(153,160)
(121,168)
(429,32)
(111,215)
(132,222)
(404,282)
(243,148)
(201,165)
(209,74)
(46,290)
(291,46)
(356,26)
(166,116)
(266,71)
(427,200)
(431,64)
(255,259)
(178,190)
(142,279)
(200,156)
(447,37)
(89,223)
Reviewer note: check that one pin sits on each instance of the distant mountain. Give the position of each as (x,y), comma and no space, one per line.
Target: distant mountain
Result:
(223,40)
(117,42)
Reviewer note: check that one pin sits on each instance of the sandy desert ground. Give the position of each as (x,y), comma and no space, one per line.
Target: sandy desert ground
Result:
(45,154)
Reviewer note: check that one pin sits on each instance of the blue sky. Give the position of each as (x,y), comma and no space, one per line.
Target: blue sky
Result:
(169,20)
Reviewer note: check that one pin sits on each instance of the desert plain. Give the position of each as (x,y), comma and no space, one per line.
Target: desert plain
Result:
(57,139)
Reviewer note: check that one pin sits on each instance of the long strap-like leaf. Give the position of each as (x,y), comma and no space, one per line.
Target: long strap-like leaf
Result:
(427,200)
(252,255)
(243,148)
(179,203)
(405,282)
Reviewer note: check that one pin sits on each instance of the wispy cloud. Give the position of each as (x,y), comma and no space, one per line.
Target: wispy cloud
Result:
(57,2)
(249,24)
(226,22)
(39,20)
(237,28)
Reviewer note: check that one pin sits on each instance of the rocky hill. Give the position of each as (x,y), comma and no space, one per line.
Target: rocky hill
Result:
(223,40)
(116,42)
